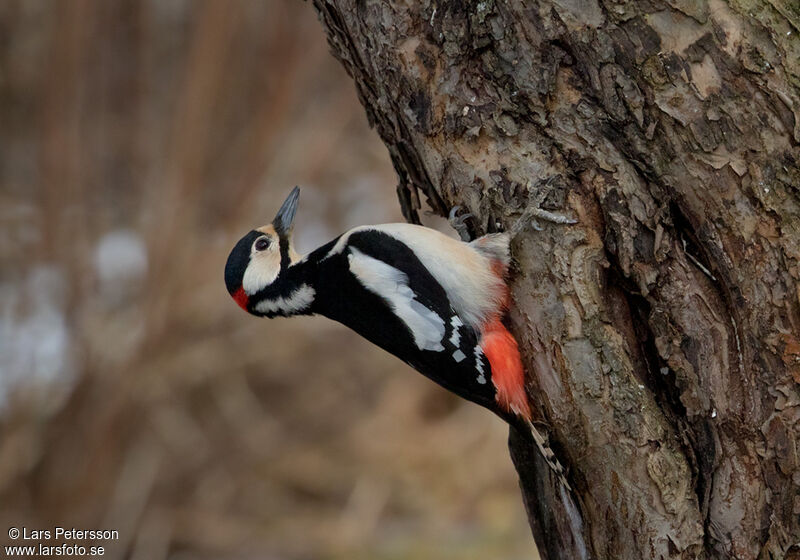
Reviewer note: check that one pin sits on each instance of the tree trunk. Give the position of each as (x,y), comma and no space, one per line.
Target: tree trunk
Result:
(660,333)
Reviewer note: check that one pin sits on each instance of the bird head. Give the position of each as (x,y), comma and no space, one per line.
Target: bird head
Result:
(259,258)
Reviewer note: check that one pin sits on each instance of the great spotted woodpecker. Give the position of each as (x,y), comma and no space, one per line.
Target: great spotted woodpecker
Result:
(433,301)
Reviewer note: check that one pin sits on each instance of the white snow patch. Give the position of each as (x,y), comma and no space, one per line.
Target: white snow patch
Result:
(34,346)
(120,256)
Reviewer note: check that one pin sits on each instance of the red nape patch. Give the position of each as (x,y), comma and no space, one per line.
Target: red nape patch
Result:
(240,298)
(508,376)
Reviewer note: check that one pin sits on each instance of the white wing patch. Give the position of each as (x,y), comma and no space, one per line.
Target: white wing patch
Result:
(297,301)
(455,338)
(391,284)
(339,246)
(464,270)
(479,365)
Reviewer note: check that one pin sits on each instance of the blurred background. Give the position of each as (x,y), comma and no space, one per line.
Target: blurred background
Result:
(138,141)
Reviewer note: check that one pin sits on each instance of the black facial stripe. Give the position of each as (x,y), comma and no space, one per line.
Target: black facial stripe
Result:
(238,261)
(284,248)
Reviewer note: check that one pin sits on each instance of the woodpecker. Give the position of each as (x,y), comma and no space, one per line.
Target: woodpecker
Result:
(435,302)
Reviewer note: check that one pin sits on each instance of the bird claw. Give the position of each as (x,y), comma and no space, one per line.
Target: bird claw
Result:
(458,223)
(533,214)
(553,217)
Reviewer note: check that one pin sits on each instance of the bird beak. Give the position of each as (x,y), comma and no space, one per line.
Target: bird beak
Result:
(283,220)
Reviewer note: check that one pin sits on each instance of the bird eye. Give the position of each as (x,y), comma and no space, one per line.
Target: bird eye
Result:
(261,244)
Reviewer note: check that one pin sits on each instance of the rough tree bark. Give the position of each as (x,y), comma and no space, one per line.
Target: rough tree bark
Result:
(660,333)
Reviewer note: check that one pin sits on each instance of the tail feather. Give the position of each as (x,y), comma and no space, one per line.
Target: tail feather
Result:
(549,456)
(501,349)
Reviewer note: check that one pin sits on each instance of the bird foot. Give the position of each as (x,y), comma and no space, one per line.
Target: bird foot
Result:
(535,212)
(458,223)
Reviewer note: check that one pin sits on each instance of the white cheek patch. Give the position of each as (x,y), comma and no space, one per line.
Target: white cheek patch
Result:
(391,284)
(299,300)
(262,271)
